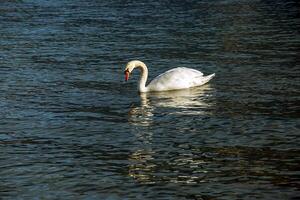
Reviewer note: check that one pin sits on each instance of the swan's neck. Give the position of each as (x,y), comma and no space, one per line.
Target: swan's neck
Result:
(144,75)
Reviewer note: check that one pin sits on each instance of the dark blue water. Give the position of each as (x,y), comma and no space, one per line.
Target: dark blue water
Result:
(71,128)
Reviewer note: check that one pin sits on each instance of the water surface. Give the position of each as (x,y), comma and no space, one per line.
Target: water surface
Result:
(71,128)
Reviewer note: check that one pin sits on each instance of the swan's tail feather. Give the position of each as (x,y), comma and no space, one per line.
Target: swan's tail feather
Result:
(205,79)
(209,77)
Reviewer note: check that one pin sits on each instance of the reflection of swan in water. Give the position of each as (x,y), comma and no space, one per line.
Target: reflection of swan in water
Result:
(146,167)
(193,101)
(188,98)
(145,163)
(141,115)
(141,167)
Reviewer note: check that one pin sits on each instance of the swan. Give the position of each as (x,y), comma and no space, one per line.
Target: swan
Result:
(173,79)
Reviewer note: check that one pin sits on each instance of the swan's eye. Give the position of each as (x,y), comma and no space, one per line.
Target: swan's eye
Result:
(126,71)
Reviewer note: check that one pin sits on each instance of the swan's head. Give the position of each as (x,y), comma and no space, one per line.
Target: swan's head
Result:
(129,67)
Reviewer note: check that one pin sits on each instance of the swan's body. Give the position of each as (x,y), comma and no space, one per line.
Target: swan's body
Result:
(173,79)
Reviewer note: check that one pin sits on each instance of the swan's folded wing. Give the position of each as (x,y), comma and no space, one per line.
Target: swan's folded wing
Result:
(174,79)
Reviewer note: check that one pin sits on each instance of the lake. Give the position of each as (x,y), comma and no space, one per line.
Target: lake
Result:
(72,128)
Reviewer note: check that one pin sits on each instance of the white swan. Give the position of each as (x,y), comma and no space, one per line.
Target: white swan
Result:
(174,79)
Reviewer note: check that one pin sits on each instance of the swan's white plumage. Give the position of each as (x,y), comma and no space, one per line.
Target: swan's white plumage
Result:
(173,79)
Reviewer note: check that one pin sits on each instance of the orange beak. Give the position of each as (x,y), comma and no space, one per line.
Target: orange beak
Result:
(126,75)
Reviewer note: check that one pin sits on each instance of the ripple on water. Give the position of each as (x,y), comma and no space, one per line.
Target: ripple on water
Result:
(71,127)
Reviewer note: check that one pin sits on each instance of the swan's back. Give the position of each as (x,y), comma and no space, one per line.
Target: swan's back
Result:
(178,78)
